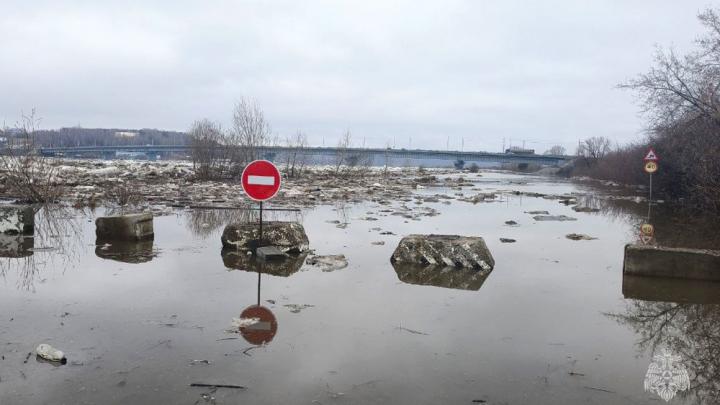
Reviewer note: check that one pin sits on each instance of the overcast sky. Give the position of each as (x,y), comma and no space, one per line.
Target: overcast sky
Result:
(389,71)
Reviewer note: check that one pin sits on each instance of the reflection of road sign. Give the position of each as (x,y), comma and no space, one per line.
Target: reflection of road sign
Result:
(651,156)
(647,229)
(262,331)
(651,167)
(646,239)
(261,180)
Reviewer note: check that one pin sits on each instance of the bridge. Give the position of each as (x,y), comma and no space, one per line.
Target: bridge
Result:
(375,156)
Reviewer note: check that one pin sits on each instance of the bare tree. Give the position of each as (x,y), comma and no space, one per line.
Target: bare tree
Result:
(209,148)
(557,150)
(679,87)
(341,156)
(594,149)
(250,132)
(28,175)
(296,157)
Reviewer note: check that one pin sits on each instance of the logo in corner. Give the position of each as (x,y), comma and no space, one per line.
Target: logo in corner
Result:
(666,375)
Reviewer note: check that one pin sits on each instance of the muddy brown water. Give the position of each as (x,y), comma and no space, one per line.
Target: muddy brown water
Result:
(553,323)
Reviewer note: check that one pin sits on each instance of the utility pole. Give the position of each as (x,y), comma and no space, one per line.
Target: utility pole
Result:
(462,144)
(447,143)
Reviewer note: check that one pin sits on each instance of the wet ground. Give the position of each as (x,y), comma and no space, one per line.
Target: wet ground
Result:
(553,323)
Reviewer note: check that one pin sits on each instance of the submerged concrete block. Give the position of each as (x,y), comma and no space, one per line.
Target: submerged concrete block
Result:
(17,219)
(444,251)
(132,227)
(241,260)
(289,237)
(654,261)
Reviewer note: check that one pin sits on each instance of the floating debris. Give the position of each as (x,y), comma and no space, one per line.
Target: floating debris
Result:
(579,236)
(50,353)
(296,308)
(328,263)
(553,218)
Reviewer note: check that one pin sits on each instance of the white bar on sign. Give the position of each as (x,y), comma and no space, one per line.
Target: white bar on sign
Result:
(261,180)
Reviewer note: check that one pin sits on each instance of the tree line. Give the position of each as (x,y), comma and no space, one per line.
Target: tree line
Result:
(679,96)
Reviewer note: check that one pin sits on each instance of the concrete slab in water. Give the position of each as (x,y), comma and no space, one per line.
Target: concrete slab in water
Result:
(289,237)
(654,261)
(444,250)
(270,253)
(132,227)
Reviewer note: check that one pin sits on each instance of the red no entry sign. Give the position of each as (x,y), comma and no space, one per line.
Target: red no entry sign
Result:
(261,180)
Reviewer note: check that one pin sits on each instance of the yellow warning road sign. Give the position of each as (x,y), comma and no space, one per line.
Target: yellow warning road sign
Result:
(651,167)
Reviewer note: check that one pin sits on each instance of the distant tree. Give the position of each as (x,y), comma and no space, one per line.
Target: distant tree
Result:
(557,150)
(341,156)
(594,149)
(296,157)
(25,173)
(208,147)
(680,96)
(250,132)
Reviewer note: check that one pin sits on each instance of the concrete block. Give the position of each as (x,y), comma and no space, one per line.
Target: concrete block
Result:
(132,227)
(444,251)
(270,253)
(17,219)
(654,261)
(289,237)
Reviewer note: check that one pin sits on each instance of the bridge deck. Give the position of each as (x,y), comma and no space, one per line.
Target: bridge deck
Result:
(321,151)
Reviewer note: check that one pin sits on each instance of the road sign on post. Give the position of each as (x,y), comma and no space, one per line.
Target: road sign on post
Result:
(651,156)
(261,181)
(651,166)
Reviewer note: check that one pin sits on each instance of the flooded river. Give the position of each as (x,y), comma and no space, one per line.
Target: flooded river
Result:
(553,323)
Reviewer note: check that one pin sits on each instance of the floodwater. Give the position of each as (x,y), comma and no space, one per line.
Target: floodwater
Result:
(553,323)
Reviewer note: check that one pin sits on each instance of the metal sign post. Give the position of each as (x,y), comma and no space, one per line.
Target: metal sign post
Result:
(646,230)
(261,182)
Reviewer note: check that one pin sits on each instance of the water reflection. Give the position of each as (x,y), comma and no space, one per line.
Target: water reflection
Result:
(240,260)
(56,243)
(447,277)
(660,289)
(205,222)
(691,331)
(682,317)
(127,252)
(257,324)
(674,226)
(16,246)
